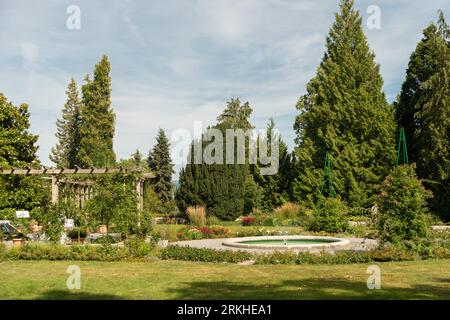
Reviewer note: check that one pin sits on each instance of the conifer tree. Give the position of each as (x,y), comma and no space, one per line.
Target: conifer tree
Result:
(275,187)
(218,187)
(345,112)
(97,119)
(424,110)
(65,153)
(422,65)
(160,163)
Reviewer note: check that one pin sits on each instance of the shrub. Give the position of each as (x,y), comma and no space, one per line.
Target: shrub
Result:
(196,233)
(220,231)
(105,239)
(137,247)
(288,210)
(167,233)
(213,220)
(291,257)
(330,216)
(402,213)
(203,254)
(197,216)
(264,220)
(248,221)
(188,233)
(104,252)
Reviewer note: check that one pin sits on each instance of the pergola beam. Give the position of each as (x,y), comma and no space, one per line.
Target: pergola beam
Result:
(54,171)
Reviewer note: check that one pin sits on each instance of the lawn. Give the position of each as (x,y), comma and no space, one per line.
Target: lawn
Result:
(188,280)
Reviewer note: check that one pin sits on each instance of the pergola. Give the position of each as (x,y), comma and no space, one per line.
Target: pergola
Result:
(82,189)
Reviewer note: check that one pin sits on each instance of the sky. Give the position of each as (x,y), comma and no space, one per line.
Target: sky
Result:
(174,62)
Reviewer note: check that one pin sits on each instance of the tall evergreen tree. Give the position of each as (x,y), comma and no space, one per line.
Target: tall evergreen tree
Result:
(65,153)
(276,187)
(97,119)
(160,163)
(422,65)
(423,108)
(18,149)
(345,112)
(218,187)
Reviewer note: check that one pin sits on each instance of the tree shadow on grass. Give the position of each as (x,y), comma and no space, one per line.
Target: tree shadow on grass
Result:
(76,295)
(306,289)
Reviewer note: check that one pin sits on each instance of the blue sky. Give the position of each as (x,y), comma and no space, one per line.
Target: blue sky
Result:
(179,61)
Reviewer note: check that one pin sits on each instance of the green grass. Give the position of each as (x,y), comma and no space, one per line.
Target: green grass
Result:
(188,280)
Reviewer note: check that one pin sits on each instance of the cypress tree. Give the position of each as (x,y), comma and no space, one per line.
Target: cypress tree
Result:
(160,163)
(218,187)
(345,112)
(65,153)
(97,119)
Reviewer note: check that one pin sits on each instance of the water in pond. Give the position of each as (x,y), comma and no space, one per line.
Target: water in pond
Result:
(288,242)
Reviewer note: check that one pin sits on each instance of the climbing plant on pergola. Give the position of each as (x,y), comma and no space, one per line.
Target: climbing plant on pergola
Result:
(84,189)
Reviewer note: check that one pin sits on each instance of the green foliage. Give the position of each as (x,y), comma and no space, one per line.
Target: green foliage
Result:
(330,216)
(53,222)
(345,112)
(18,149)
(65,153)
(213,221)
(423,109)
(275,188)
(134,162)
(197,233)
(291,257)
(218,187)
(204,255)
(253,195)
(402,213)
(413,250)
(161,165)
(54,252)
(115,203)
(97,119)
(137,247)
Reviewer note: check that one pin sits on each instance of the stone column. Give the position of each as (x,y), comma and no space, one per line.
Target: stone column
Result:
(55,190)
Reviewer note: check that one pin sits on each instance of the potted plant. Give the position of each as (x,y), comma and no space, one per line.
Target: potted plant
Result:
(77,235)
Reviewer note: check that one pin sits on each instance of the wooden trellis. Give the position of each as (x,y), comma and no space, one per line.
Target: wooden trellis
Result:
(83,189)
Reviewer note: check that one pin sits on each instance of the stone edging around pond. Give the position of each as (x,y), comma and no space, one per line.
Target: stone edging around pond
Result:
(334,243)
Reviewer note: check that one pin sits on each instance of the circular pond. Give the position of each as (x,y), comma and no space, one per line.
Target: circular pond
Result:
(287,242)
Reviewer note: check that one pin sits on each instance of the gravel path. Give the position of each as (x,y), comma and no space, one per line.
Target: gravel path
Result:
(357,244)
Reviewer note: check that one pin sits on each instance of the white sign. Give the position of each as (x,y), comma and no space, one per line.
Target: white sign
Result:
(69,223)
(22,214)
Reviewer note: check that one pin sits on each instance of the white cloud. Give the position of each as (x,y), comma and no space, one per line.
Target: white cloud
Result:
(29,53)
(177,61)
